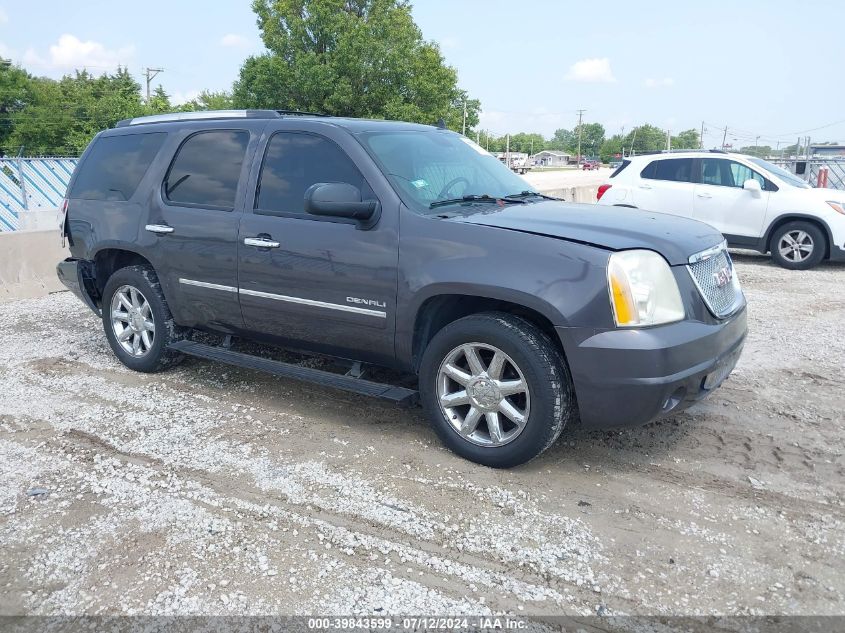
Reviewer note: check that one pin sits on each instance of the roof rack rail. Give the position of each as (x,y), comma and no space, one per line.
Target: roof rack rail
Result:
(199,115)
(679,151)
(302,113)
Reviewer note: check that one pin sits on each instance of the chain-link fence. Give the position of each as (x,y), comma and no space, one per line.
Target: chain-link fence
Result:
(818,172)
(31,184)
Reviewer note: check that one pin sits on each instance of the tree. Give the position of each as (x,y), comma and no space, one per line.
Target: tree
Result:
(645,138)
(761,151)
(563,141)
(61,117)
(592,137)
(209,100)
(688,139)
(159,101)
(361,58)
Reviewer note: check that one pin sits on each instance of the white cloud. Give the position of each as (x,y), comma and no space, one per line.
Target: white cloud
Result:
(592,70)
(70,52)
(665,82)
(4,17)
(233,40)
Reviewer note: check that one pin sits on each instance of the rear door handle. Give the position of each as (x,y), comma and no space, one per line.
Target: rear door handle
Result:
(645,186)
(704,195)
(260,242)
(159,229)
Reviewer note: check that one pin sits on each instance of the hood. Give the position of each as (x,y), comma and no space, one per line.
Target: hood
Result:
(614,228)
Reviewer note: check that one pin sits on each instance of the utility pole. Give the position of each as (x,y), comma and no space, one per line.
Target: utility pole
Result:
(633,138)
(668,140)
(724,137)
(465,116)
(580,115)
(701,137)
(151,74)
(756,143)
(508,150)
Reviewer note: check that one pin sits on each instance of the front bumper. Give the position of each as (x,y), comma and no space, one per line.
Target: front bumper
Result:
(76,275)
(630,377)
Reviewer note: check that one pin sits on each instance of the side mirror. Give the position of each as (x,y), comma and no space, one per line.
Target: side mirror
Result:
(753,186)
(339,200)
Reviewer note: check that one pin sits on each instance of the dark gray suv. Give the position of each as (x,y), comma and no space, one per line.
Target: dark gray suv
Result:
(404,246)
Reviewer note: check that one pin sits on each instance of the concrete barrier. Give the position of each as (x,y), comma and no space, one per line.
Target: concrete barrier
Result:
(581,193)
(28,263)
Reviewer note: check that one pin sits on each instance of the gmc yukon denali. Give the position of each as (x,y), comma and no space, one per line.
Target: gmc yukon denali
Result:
(403,246)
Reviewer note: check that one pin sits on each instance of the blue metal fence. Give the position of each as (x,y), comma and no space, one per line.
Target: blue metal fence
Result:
(31,184)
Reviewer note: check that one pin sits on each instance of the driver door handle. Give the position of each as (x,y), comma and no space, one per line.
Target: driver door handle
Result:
(260,242)
(704,195)
(159,229)
(645,186)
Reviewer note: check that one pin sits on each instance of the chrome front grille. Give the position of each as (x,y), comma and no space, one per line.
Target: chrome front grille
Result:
(714,275)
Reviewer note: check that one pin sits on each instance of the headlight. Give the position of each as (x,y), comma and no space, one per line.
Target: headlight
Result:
(643,290)
(839,207)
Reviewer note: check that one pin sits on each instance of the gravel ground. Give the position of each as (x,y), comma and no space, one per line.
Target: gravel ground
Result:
(212,490)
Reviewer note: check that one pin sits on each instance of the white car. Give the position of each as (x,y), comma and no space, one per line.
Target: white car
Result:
(754,203)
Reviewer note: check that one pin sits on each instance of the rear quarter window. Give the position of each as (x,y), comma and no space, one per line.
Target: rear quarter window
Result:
(115,166)
(619,169)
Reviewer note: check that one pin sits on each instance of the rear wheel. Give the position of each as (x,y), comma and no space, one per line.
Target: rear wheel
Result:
(496,389)
(798,245)
(137,321)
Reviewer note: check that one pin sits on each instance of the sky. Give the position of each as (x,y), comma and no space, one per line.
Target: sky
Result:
(764,68)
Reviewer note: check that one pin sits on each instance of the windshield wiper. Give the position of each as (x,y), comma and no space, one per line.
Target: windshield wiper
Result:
(474,198)
(527,194)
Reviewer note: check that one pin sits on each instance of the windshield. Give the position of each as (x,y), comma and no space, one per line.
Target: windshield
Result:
(431,166)
(788,177)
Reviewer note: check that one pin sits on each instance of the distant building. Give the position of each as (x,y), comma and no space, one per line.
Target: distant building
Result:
(827,151)
(551,158)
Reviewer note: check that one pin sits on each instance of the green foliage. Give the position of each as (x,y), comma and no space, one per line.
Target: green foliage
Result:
(688,139)
(61,117)
(761,151)
(562,141)
(208,100)
(360,58)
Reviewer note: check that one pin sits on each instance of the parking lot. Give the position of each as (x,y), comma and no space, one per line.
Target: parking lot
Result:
(209,489)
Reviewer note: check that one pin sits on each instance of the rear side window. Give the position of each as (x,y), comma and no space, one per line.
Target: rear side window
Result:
(675,170)
(207,168)
(619,169)
(295,161)
(115,166)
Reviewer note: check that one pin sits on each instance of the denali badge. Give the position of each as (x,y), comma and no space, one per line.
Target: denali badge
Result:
(723,276)
(367,302)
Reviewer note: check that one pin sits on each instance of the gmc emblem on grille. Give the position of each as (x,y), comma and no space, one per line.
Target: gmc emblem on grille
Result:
(723,276)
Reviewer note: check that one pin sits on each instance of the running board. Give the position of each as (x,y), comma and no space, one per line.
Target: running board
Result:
(399,395)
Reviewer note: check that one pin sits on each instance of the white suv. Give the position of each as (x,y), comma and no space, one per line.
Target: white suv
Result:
(753,203)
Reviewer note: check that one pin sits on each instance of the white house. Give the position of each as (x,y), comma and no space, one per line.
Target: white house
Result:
(551,158)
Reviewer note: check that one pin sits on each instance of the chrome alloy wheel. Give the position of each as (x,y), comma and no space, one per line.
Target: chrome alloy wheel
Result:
(483,394)
(796,246)
(132,321)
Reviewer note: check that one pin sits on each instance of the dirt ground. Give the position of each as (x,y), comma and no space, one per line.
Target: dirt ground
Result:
(212,490)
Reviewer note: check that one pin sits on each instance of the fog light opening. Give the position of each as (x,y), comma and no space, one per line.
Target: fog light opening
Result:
(674,400)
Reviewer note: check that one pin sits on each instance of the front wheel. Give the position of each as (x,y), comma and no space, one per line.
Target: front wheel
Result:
(798,245)
(496,389)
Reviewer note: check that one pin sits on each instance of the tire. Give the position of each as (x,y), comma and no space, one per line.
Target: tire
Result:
(803,234)
(526,354)
(138,286)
